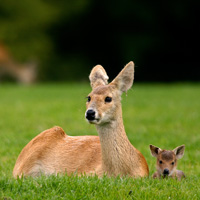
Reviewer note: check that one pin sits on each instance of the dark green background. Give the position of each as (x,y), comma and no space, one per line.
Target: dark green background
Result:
(68,37)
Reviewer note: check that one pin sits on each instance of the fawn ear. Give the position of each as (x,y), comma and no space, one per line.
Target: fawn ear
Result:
(179,151)
(154,150)
(124,79)
(98,76)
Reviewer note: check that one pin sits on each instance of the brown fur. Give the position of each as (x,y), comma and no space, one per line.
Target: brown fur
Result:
(53,151)
(167,160)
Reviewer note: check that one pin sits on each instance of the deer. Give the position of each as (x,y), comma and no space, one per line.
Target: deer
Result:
(167,162)
(110,153)
(22,73)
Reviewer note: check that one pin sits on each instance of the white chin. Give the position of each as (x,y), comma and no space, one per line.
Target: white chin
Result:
(96,121)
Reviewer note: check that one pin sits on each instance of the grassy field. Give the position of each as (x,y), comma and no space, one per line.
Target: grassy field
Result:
(163,115)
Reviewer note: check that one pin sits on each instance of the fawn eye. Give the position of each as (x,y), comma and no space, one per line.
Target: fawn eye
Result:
(160,161)
(108,99)
(172,163)
(88,99)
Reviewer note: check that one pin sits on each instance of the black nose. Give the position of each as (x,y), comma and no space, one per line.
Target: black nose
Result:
(90,115)
(166,172)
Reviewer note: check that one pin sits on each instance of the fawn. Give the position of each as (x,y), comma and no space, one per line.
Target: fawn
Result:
(111,153)
(167,162)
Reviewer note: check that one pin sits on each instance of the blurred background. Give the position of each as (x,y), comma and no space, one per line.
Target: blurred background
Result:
(62,40)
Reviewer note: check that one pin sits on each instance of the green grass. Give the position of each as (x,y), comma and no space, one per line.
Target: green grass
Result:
(163,115)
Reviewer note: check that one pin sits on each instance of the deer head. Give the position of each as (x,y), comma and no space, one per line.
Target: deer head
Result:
(103,102)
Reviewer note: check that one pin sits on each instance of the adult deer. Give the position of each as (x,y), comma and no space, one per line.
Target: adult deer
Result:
(52,151)
(22,73)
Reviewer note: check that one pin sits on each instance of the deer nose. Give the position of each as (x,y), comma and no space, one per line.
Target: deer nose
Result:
(90,115)
(166,172)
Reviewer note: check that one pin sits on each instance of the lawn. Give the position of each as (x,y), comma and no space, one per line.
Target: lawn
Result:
(163,115)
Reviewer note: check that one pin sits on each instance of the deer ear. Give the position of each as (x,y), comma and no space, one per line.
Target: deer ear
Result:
(124,80)
(179,151)
(98,76)
(154,150)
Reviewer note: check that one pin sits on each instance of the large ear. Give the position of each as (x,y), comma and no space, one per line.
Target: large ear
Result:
(124,80)
(98,76)
(179,151)
(154,150)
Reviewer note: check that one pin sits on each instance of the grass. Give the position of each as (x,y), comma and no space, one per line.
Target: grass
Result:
(163,115)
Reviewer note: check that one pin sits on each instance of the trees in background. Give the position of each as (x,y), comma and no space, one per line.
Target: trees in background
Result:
(67,38)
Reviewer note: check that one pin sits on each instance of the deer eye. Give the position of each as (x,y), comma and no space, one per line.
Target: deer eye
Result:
(108,99)
(172,163)
(88,99)
(160,161)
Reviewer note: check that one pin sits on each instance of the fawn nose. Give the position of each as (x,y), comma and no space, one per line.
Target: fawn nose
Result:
(166,172)
(90,115)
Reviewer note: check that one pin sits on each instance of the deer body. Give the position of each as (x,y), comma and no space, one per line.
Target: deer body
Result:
(167,162)
(52,152)
(111,153)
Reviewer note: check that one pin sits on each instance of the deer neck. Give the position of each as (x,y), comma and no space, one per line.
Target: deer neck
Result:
(115,146)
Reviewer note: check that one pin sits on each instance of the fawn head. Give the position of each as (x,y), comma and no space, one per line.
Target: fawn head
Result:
(103,102)
(167,160)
